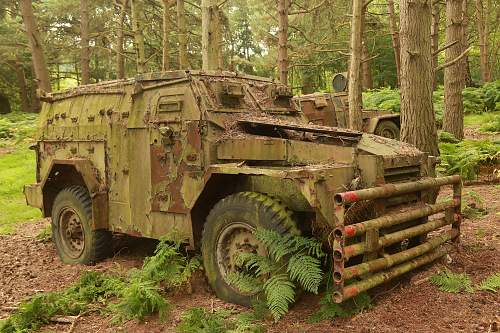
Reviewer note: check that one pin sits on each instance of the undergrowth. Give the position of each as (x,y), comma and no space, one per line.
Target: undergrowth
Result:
(135,296)
(293,261)
(491,283)
(452,282)
(329,310)
(467,156)
(221,321)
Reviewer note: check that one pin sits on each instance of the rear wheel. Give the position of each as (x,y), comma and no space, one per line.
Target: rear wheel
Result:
(228,232)
(75,241)
(387,129)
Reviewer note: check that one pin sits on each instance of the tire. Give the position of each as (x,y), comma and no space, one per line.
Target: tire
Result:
(388,129)
(234,218)
(76,242)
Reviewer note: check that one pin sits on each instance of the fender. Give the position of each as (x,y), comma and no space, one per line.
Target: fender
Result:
(370,124)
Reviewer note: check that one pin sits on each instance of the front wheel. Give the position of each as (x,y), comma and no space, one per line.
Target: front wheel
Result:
(387,129)
(228,232)
(76,242)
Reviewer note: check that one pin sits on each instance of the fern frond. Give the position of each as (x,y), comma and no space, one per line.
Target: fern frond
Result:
(278,246)
(244,282)
(307,271)
(492,283)
(452,282)
(280,293)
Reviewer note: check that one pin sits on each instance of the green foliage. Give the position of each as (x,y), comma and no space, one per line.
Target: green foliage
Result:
(447,137)
(91,288)
(491,123)
(452,282)
(472,205)
(491,283)
(384,98)
(467,156)
(45,234)
(292,261)
(329,310)
(17,127)
(199,320)
(142,295)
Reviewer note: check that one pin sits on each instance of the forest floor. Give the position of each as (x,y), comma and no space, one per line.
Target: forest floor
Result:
(29,265)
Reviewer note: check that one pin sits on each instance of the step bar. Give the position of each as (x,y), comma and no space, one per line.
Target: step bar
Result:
(378,267)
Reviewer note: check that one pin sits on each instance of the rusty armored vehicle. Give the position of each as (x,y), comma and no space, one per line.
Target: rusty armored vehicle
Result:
(332,109)
(215,155)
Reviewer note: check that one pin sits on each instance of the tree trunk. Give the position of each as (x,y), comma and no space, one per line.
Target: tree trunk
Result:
(84,41)
(453,116)
(137,8)
(465,44)
(283,6)
(482,29)
(210,45)
(23,86)
(355,96)
(418,125)
(166,33)
(35,42)
(435,39)
(181,32)
(395,39)
(120,59)
(366,69)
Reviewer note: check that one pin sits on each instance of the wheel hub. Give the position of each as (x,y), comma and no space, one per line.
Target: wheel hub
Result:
(71,232)
(235,239)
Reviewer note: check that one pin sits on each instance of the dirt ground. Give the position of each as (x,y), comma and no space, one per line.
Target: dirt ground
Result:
(410,304)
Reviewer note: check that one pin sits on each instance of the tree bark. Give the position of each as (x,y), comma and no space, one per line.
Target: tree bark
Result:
(84,41)
(395,39)
(453,116)
(181,32)
(35,42)
(418,125)
(23,86)
(465,43)
(120,59)
(435,39)
(210,44)
(482,29)
(355,91)
(166,33)
(137,8)
(366,70)
(283,6)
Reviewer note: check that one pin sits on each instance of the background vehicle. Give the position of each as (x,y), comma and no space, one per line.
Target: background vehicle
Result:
(332,109)
(216,155)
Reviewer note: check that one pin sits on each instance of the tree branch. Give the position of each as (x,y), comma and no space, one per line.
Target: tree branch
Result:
(444,47)
(305,11)
(452,62)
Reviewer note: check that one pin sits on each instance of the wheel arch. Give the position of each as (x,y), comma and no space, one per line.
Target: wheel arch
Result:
(221,185)
(372,123)
(81,172)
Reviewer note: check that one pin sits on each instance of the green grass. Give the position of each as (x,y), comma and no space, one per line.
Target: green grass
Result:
(16,170)
(479,119)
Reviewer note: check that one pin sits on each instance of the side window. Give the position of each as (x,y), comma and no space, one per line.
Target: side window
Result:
(170,105)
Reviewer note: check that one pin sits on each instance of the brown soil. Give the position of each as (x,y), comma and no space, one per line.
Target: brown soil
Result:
(411,304)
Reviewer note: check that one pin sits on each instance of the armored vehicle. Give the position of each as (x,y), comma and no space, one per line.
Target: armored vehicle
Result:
(214,155)
(332,109)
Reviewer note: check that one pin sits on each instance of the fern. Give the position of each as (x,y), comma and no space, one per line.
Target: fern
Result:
(492,283)
(280,293)
(292,261)
(329,310)
(452,282)
(307,271)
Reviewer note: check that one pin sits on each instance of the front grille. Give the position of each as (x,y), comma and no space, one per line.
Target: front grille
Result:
(402,174)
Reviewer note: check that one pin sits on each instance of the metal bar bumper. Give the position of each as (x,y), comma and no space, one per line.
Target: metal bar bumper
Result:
(378,266)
